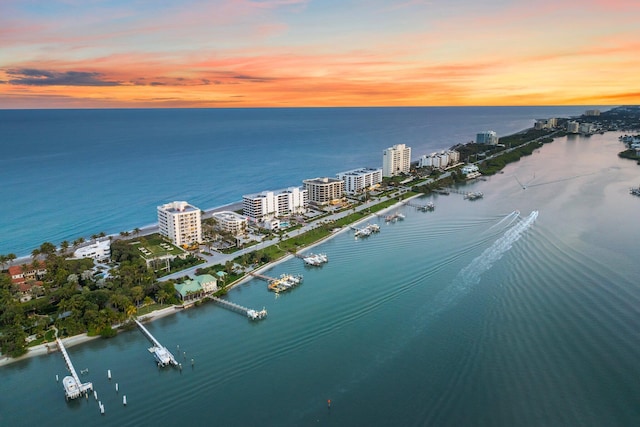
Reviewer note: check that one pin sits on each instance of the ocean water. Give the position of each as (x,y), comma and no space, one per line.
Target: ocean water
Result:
(67,174)
(522,308)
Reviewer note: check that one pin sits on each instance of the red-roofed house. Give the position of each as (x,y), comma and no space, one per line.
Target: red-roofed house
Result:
(29,272)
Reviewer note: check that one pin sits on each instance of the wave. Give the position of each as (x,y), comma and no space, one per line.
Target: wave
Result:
(471,274)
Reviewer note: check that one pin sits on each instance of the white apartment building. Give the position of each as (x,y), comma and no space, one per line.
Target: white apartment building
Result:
(573,127)
(324,191)
(180,222)
(231,222)
(271,204)
(357,180)
(545,123)
(100,250)
(587,128)
(488,137)
(396,160)
(439,160)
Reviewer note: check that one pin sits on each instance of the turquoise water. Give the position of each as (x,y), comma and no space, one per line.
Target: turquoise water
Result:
(480,313)
(67,174)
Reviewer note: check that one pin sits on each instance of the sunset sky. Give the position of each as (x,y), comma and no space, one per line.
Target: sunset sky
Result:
(279,53)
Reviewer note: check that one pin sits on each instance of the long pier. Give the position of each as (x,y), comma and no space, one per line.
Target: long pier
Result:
(160,352)
(73,387)
(250,313)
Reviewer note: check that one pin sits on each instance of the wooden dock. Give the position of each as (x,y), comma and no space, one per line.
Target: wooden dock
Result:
(250,313)
(263,277)
(73,387)
(160,352)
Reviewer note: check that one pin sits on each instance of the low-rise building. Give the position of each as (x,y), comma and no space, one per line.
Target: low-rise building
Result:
(197,287)
(358,180)
(231,222)
(180,222)
(100,250)
(470,171)
(27,272)
(324,191)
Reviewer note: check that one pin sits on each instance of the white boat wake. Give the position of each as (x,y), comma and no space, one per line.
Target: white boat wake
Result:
(471,274)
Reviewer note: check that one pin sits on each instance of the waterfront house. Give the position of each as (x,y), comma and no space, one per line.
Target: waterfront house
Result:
(100,250)
(198,287)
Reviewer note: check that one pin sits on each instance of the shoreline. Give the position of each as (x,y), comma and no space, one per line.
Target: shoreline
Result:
(51,347)
(43,349)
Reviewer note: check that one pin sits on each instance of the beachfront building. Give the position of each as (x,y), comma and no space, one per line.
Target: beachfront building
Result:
(440,160)
(488,137)
(324,191)
(545,123)
(231,222)
(267,205)
(573,127)
(396,160)
(27,277)
(358,180)
(198,287)
(180,222)
(27,272)
(100,250)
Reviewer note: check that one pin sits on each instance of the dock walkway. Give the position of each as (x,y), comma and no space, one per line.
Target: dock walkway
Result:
(250,313)
(161,354)
(73,387)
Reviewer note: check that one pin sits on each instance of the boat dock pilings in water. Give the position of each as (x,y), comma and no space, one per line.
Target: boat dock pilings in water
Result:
(73,387)
(251,314)
(160,353)
(423,208)
(263,277)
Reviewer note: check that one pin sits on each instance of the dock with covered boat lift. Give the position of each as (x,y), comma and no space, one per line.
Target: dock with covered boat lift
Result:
(160,352)
(250,313)
(73,387)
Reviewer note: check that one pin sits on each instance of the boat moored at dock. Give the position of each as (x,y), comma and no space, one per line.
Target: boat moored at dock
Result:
(162,355)
(315,259)
(285,282)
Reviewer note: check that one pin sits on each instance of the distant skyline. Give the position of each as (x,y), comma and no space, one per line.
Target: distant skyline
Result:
(304,53)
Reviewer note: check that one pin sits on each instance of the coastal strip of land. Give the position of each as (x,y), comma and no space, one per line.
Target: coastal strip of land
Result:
(47,348)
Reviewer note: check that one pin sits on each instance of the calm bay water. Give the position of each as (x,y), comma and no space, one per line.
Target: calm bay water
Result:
(67,174)
(479,313)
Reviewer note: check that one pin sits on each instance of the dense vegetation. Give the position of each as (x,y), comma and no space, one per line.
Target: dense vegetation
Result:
(630,154)
(75,300)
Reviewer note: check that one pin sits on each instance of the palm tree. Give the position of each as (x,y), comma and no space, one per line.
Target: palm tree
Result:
(64,246)
(35,253)
(3,260)
(136,231)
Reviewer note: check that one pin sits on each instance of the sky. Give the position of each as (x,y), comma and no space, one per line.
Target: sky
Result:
(307,53)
